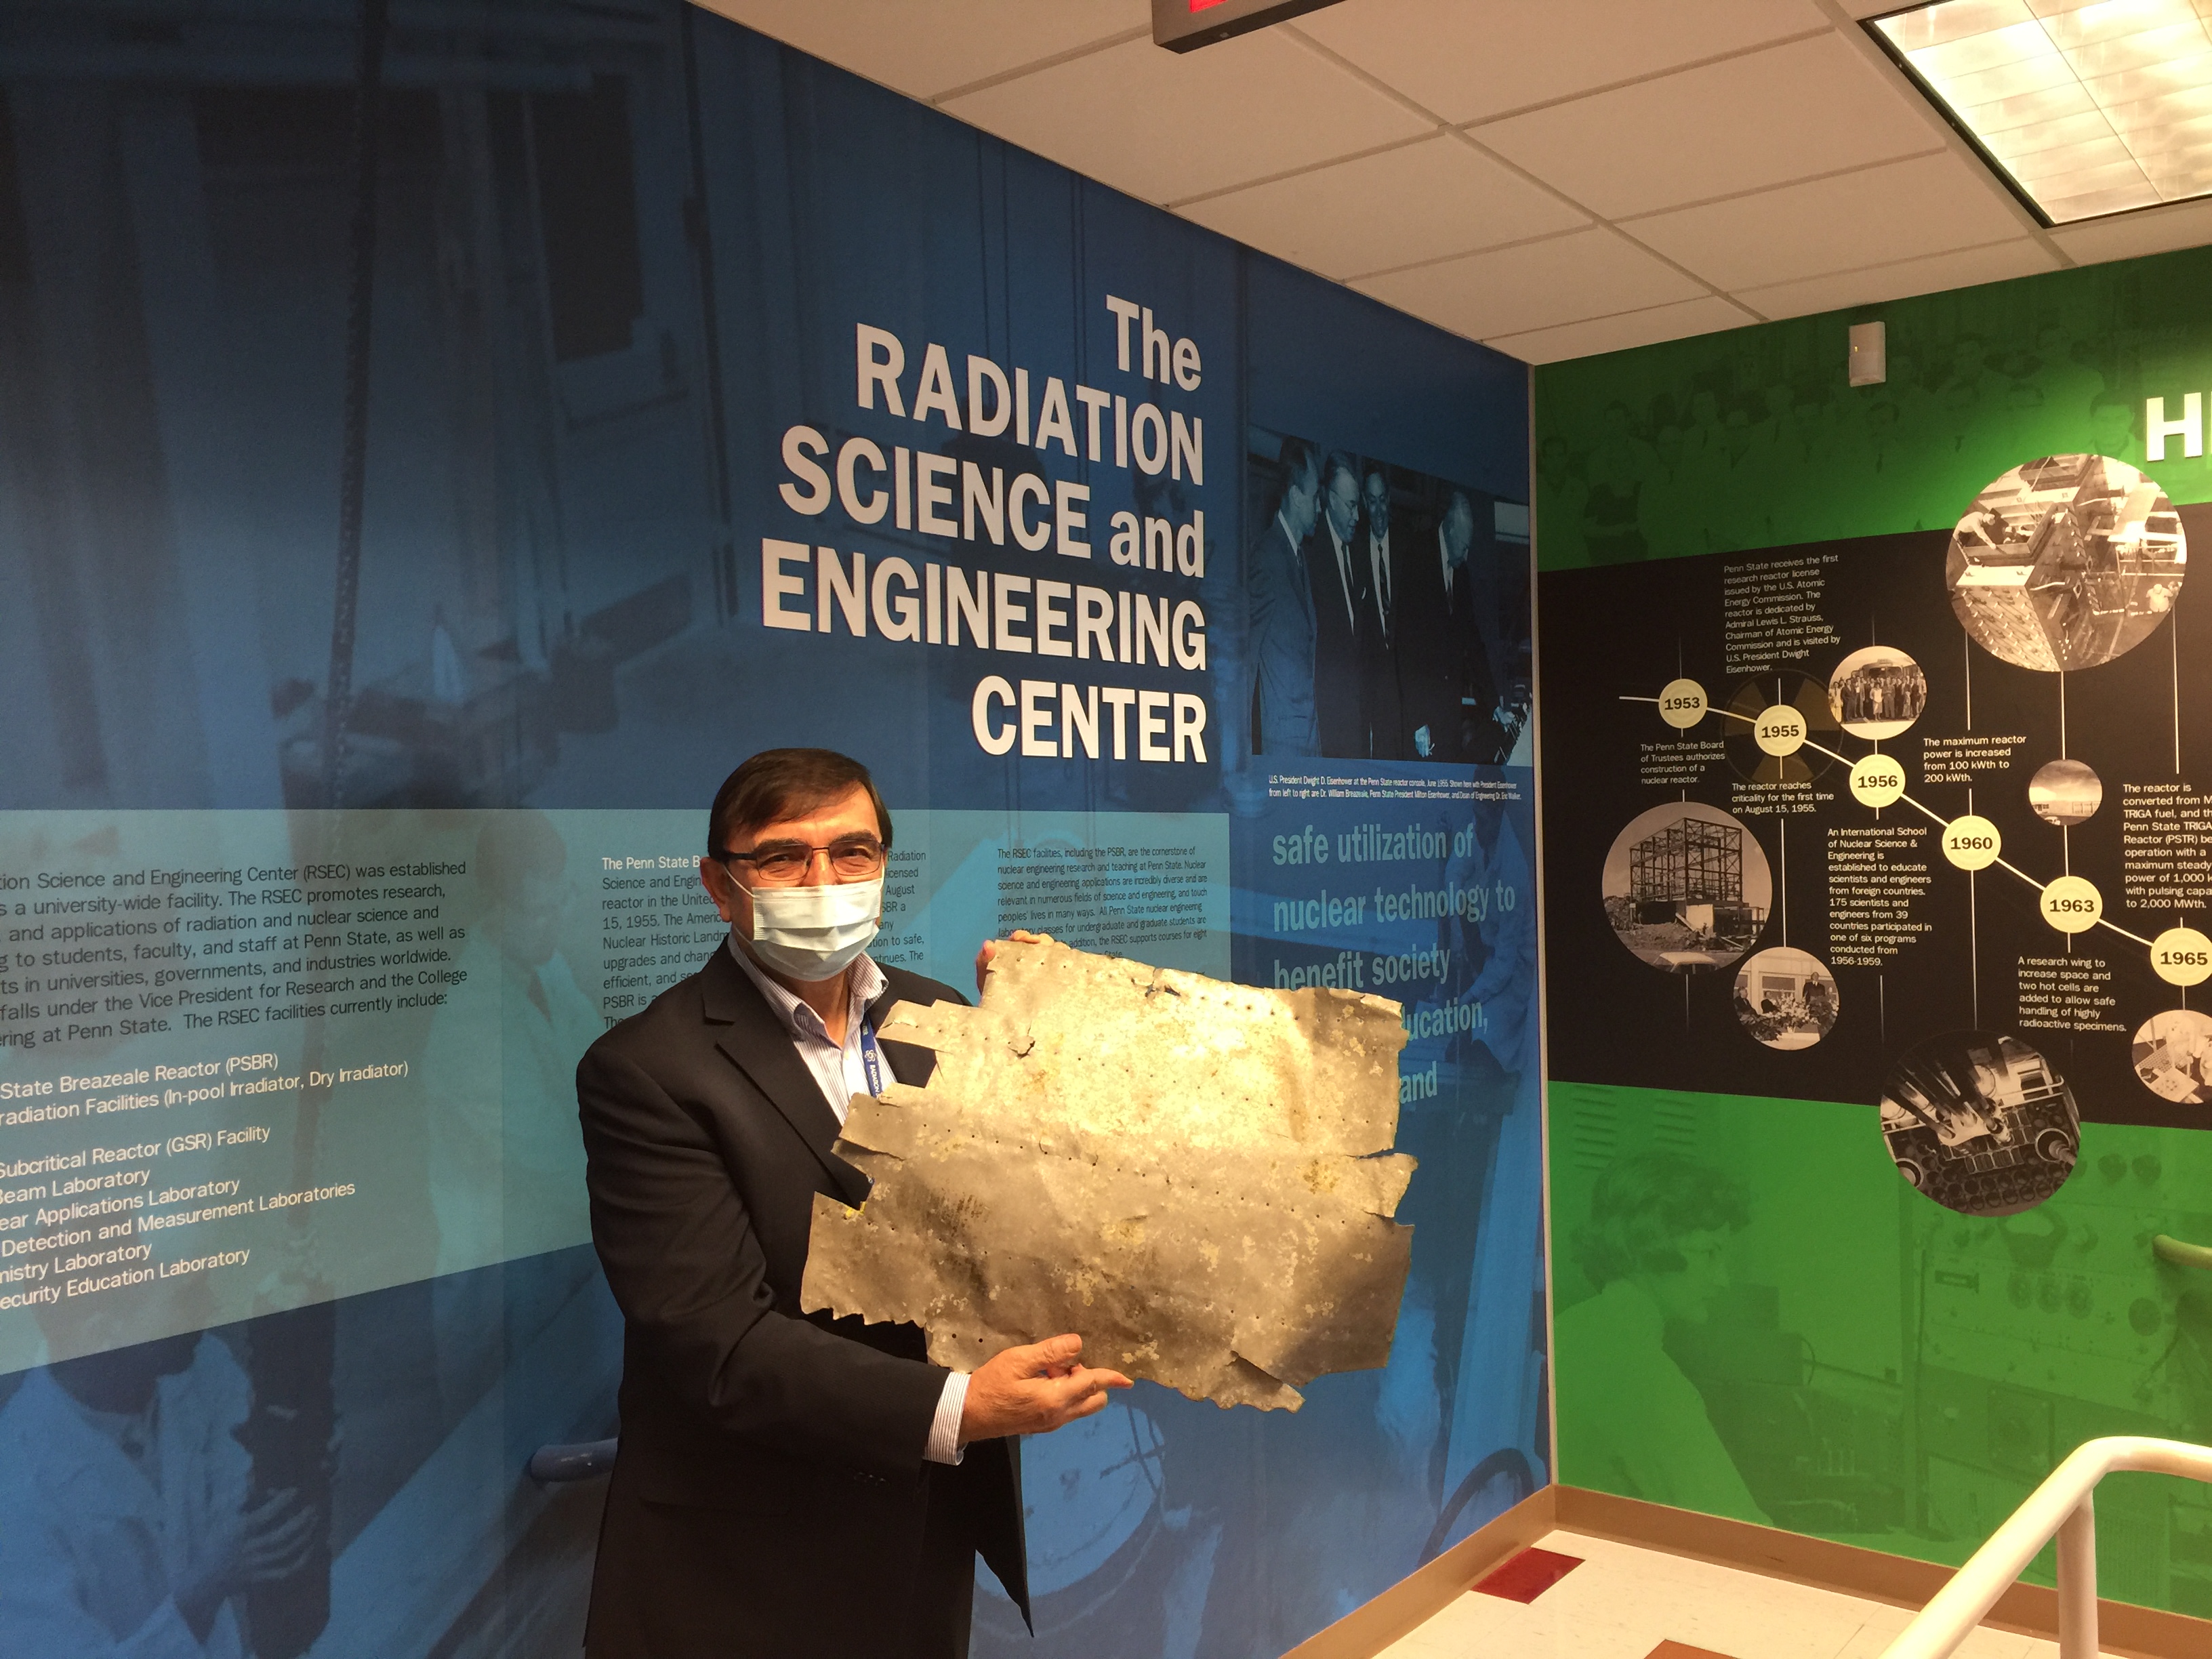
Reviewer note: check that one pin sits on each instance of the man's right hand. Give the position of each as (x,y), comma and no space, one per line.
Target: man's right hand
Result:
(1034,1389)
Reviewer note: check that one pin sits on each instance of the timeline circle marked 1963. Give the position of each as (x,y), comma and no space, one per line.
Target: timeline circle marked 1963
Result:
(1972,842)
(2181,955)
(1878,781)
(1780,729)
(2071,904)
(1681,703)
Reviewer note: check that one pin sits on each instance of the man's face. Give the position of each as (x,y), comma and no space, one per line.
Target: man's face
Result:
(1377,499)
(1459,535)
(1343,503)
(850,814)
(1301,500)
(1688,1295)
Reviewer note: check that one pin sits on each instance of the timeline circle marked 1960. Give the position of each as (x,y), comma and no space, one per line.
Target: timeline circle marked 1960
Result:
(1972,842)
(1682,703)
(2071,904)
(1878,781)
(2181,955)
(1780,729)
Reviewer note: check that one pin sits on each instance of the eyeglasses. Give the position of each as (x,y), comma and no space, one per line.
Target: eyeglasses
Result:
(785,863)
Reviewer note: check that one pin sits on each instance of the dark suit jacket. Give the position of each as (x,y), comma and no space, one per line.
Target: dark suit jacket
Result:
(1442,660)
(1341,644)
(1391,736)
(1282,625)
(794,1441)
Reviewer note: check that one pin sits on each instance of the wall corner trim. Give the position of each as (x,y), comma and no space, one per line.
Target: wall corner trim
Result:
(1428,1590)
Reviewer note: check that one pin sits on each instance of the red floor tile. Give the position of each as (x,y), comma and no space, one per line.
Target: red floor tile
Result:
(1525,1577)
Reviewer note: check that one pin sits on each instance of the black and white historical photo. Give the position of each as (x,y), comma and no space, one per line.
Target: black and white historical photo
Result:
(2172,1055)
(1980,1122)
(1786,997)
(2066,562)
(1686,887)
(1877,692)
(2065,792)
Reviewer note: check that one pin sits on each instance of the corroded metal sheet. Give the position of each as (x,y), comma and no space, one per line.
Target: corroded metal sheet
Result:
(1194,1176)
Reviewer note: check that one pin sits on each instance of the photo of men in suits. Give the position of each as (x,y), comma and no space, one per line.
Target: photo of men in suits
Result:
(1379,596)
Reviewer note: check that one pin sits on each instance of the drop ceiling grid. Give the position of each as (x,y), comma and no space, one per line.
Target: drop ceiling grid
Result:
(1603,173)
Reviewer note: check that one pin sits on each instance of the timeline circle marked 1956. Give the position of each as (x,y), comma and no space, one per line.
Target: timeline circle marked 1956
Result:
(2181,955)
(2071,904)
(1779,729)
(1972,842)
(1681,703)
(1878,781)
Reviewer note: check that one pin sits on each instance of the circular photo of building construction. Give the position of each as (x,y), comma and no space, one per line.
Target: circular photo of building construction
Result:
(2066,562)
(2065,792)
(1877,692)
(2172,1055)
(1786,997)
(1980,1122)
(1686,887)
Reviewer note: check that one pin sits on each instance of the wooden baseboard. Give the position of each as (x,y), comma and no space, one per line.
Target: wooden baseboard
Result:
(2029,1609)
(2123,1629)
(1420,1596)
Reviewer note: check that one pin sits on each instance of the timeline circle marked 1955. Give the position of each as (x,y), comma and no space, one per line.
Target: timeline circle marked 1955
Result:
(1780,729)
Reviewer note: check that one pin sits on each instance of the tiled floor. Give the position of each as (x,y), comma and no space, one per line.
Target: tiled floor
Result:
(1622,1602)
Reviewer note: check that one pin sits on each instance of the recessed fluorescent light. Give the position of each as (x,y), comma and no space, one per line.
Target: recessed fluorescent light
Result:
(2087,106)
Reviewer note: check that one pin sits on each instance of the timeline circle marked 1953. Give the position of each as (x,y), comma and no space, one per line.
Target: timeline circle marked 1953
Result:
(1681,703)
(1972,842)
(1878,781)
(2181,955)
(1779,729)
(2071,904)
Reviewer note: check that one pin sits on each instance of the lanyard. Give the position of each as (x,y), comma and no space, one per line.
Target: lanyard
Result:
(872,1061)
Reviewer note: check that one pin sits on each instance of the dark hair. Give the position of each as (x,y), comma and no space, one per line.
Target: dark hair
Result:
(782,783)
(1340,462)
(1298,462)
(1641,1207)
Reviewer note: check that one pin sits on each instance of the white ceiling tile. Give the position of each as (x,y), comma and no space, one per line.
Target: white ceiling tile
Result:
(1164,126)
(2157,230)
(1465,59)
(1587,273)
(1961,268)
(1706,315)
(925,48)
(1866,218)
(1420,202)
(1787,112)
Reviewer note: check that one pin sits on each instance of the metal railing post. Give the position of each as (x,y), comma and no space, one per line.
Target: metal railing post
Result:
(2077,1581)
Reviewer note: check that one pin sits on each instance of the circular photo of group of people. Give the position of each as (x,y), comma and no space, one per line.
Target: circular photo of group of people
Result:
(1981,1123)
(1877,692)
(2065,561)
(1786,997)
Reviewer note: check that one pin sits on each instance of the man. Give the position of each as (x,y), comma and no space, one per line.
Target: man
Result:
(1342,619)
(133,1526)
(1452,701)
(1282,615)
(1384,683)
(789,1485)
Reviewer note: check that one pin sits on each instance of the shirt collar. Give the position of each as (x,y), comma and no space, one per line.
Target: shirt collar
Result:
(864,983)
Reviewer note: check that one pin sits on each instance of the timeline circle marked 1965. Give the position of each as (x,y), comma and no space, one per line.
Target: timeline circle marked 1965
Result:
(1972,842)
(1878,781)
(2181,955)
(1681,703)
(2071,904)
(1780,729)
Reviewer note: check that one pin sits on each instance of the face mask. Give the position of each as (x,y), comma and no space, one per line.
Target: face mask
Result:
(814,933)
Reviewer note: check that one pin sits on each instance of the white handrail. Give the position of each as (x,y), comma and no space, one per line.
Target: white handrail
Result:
(2062,1507)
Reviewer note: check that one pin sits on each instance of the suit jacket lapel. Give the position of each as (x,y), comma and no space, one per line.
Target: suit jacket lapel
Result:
(755,1042)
